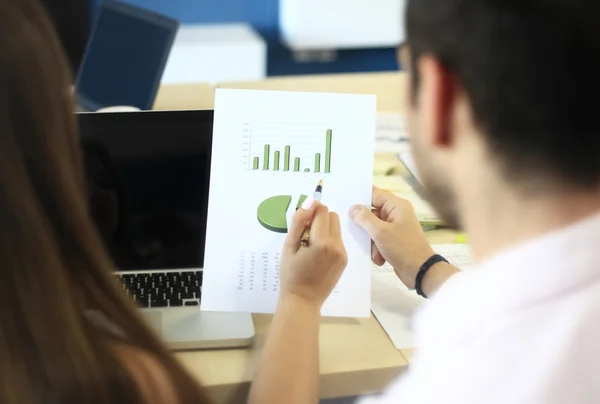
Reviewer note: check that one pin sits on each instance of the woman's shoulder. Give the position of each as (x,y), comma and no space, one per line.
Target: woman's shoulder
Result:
(148,373)
(153,376)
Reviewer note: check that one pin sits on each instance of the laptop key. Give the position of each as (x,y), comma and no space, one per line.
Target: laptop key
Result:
(171,289)
(158,303)
(175,303)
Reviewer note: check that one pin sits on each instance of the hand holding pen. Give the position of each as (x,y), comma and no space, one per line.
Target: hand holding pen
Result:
(313,256)
(304,240)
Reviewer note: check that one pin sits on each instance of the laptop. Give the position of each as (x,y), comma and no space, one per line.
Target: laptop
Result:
(148,180)
(125,57)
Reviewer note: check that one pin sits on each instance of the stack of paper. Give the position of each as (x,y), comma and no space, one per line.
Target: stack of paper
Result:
(394,305)
(391,134)
(407,159)
(425,212)
(386,164)
(398,185)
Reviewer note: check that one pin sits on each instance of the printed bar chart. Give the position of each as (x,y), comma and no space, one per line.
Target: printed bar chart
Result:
(266,157)
(274,145)
(286,159)
(328,150)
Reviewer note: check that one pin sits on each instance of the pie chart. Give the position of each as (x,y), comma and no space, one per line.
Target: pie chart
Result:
(272,212)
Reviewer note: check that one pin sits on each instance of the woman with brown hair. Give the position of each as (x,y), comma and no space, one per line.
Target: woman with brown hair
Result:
(54,269)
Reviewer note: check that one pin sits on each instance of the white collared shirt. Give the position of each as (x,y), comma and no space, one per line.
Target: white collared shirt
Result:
(523,328)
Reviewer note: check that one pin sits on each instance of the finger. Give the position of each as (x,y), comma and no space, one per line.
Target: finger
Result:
(388,203)
(335,228)
(366,219)
(380,197)
(376,255)
(319,229)
(381,214)
(300,221)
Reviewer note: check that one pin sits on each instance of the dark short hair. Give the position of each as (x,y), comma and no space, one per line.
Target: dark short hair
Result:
(531,69)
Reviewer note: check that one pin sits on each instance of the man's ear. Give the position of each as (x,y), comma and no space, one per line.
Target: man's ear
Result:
(437,96)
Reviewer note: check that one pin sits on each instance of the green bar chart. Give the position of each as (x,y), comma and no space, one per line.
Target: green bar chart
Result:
(328,137)
(266,157)
(286,159)
(292,153)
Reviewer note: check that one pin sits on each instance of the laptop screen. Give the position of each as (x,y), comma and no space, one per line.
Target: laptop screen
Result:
(148,177)
(125,58)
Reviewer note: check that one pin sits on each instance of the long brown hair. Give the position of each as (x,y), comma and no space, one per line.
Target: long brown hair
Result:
(53,265)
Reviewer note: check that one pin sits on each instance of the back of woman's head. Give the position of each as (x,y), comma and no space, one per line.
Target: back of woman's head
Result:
(53,267)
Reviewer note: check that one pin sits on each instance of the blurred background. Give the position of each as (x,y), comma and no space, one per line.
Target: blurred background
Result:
(299,36)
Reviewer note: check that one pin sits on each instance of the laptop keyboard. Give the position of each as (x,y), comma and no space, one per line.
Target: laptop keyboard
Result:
(169,289)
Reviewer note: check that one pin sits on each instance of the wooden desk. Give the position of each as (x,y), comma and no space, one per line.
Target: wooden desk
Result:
(182,97)
(357,357)
(387,87)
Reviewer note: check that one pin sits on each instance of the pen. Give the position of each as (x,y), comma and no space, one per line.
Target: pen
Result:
(317,195)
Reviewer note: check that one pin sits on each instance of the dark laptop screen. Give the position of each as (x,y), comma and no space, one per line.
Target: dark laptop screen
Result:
(125,57)
(148,177)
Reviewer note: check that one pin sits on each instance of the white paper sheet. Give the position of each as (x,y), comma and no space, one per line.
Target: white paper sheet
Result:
(394,305)
(292,129)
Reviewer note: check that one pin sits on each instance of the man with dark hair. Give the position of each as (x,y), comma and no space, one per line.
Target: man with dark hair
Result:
(505,135)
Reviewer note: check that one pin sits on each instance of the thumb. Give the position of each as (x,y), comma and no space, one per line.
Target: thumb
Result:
(364,218)
(300,221)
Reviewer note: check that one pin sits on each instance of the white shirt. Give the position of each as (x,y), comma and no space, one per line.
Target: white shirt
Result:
(522,328)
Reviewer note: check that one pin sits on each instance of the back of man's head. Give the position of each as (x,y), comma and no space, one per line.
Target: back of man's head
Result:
(531,70)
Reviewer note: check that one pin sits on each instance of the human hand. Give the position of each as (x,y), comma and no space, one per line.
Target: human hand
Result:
(396,233)
(312,272)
